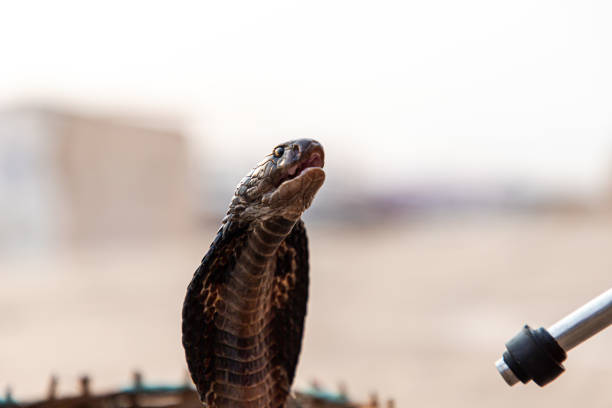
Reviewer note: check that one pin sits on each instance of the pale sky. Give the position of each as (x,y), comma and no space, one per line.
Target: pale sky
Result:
(396,91)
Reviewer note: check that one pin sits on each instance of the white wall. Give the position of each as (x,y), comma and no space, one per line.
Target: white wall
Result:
(30,205)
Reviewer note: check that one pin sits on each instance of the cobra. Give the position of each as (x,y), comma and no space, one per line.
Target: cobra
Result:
(243,315)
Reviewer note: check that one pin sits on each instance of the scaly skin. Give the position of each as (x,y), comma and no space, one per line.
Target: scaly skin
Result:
(244,312)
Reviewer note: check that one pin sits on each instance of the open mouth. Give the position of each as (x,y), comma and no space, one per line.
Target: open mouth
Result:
(315,160)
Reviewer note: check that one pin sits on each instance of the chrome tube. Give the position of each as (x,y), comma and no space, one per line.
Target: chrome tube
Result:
(584,322)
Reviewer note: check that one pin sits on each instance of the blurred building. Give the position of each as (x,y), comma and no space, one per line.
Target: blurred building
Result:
(71,177)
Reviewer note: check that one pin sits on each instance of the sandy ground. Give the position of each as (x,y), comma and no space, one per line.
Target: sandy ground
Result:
(417,311)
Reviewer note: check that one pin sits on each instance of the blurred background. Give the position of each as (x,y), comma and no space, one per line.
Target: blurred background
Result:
(469,184)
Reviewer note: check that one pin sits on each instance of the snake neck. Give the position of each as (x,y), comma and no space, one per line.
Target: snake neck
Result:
(245,316)
(263,241)
(248,292)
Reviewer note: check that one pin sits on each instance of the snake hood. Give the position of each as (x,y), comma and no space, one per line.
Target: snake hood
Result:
(283,184)
(243,314)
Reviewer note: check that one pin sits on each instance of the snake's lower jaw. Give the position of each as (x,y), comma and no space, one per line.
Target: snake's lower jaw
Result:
(294,196)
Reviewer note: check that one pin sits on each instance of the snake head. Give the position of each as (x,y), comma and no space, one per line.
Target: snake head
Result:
(283,184)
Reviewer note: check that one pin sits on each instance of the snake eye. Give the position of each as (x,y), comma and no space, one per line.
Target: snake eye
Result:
(278,152)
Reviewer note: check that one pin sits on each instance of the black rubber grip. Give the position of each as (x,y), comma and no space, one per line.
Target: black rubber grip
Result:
(534,355)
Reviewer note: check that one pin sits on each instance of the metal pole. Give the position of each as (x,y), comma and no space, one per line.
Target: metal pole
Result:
(538,354)
(583,323)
